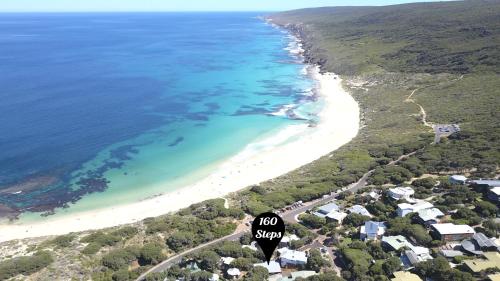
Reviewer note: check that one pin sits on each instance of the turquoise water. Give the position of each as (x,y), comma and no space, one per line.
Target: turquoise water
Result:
(108,109)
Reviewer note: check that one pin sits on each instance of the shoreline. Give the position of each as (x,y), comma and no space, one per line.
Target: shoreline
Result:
(339,122)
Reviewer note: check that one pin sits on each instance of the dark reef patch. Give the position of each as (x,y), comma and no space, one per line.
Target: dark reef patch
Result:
(176,141)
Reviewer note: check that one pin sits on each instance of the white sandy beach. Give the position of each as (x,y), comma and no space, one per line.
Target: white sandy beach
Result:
(339,123)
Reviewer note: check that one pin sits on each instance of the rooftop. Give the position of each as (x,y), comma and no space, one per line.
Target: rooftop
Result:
(487,182)
(420,205)
(450,228)
(358,209)
(293,255)
(403,191)
(325,209)
(492,260)
(273,266)
(339,216)
(405,276)
(233,272)
(458,178)
(374,227)
(483,241)
(496,190)
(430,214)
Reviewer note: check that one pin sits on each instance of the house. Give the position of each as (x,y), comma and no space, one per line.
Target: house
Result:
(273,267)
(301,274)
(449,254)
(492,260)
(233,273)
(399,193)
(372,230)
(457,179)
(336,216)
(478,244)
(494,277)
(215,277)
(358,209)
(430,216)
(415,255)
(326,209)
(494,194)
(293,258)
(374,195)
(226,260)
(485,183)
(452,232)
(287,240)
(405,276)
(394,243)
(405,208)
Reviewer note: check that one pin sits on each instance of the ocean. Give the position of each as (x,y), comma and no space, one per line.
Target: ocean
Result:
(102,109)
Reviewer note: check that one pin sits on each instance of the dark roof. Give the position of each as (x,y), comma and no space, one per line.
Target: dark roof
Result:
(483,241)
(471,247)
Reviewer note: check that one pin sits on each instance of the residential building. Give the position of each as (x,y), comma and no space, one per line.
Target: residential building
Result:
(227,260)
(458,179)
(452,232)
(293,258)
(399,193)
(405,276)
(478,244)
(485,183)
(301,274)
(394,243)
(491,260)
(233,273)
(287,240)
(215,277)
(372,230)
(415,255)
(494,194)
(494,277)
(358,209)
(406,208)
(430,216)
(273,267)
(336,216)
(326,209)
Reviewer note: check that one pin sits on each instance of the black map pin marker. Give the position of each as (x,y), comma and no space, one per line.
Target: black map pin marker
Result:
(268,230)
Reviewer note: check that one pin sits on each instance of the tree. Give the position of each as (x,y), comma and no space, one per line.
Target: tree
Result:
(486,209)
(312,221)
(355,220)
(257,273)
(120,258)
(425,182)
(315,261)
(121,275)
(151,254)
(180,240)
(391,265)
(242,263)
(209,260)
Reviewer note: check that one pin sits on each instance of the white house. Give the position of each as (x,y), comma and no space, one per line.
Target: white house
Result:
(453,232)
(287,240)
(372,230)
(326,209)
(215,277)
(336,216)
(405,208)
(233,273)
(273,267)
(399,193)
(430,216)
(358,209)
(458,179)
(227,260)
(293,258)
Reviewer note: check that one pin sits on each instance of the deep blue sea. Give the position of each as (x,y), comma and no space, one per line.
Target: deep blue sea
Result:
(97,109)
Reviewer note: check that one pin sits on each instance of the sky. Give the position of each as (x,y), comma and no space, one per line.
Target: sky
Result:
(179,5)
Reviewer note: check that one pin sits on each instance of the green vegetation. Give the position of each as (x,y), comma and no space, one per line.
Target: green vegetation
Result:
(25,265)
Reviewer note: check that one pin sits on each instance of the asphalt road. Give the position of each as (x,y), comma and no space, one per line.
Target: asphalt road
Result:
(163,266)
